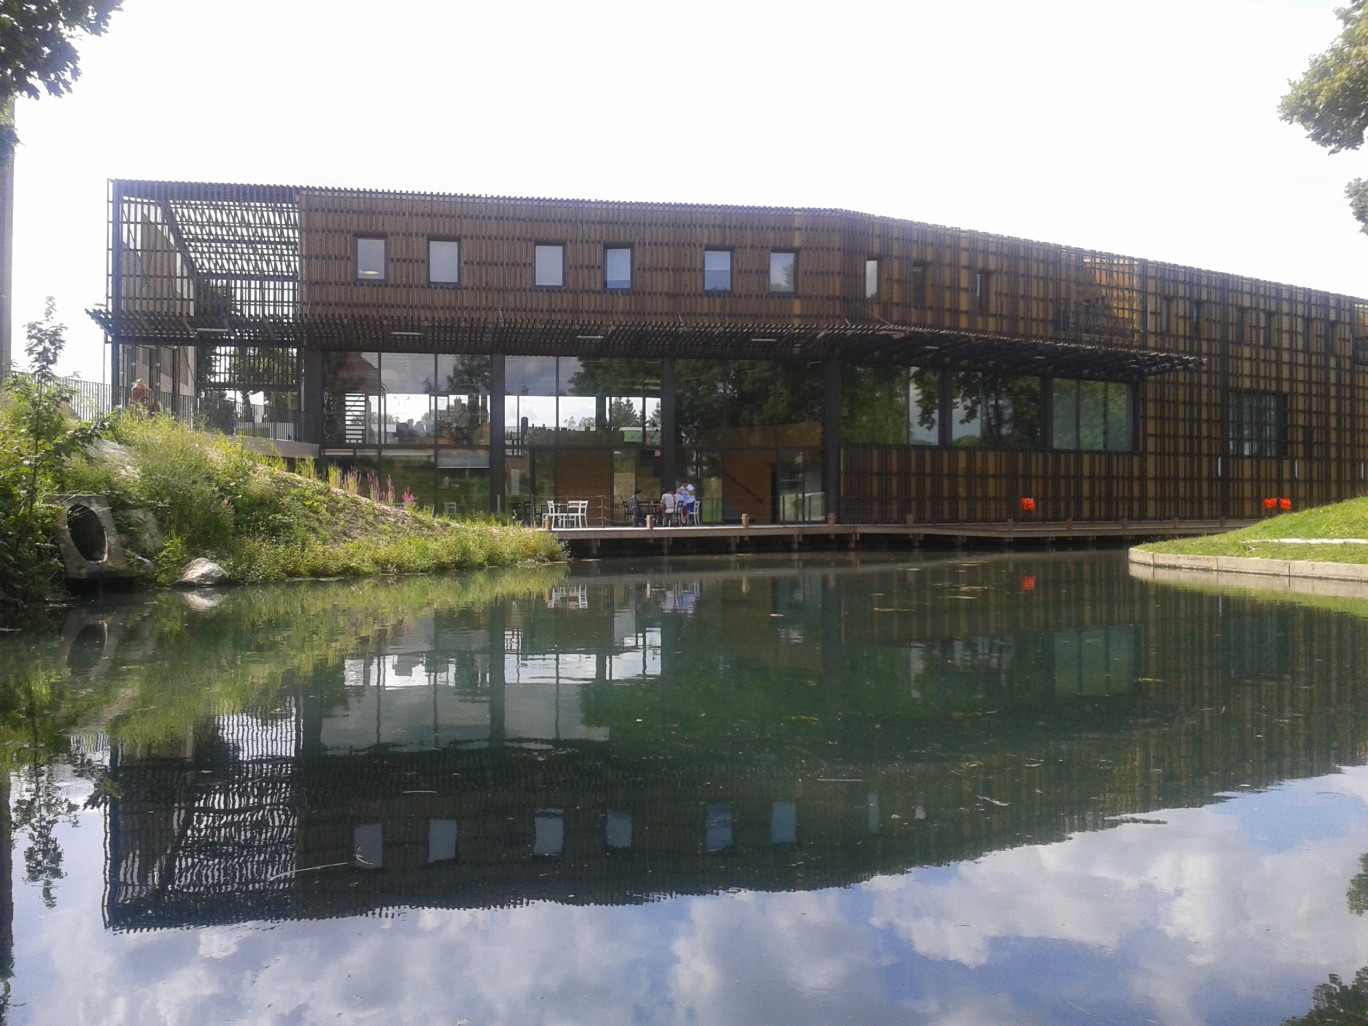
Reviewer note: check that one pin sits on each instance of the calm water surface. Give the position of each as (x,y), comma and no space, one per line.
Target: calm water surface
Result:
(1023,789)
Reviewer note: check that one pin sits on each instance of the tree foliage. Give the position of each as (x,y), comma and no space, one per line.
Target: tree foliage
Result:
(1330,101)
(37,439)
(37,52)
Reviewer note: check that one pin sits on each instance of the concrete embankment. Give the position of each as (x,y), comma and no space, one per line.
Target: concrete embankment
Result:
(1306,577)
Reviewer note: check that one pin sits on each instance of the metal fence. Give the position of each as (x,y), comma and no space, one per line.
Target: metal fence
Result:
(90,400)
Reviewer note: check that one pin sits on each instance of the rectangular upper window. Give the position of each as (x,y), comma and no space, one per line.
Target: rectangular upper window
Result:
(983,291)
(617,268)
(871,278)
(444,262)
(717,268)
(370,258)
(783,271)
(916,284)
(1256,424)
(550,272)
(1159,315)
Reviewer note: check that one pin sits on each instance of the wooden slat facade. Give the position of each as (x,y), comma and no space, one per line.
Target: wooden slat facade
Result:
(203,268)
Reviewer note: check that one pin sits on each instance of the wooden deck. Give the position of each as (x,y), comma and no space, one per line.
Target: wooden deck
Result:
(596,541)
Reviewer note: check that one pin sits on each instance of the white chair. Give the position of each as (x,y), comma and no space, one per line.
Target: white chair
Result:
(577,513)
(556,514)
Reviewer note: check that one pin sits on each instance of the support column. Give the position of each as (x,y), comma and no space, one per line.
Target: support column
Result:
(496,433)
(669,434)
(311,397)
(831,435)
(116,382)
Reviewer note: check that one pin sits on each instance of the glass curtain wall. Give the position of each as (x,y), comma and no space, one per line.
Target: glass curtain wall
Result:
(750,433)
(916,406)
(580,428)
(1093,416)
(411,423)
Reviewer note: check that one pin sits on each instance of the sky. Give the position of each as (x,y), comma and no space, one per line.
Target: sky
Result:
(1149,130)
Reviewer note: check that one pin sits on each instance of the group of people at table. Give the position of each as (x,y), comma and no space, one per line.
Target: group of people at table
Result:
(677,507)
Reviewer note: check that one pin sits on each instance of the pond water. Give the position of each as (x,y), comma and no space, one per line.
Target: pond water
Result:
(1016,789)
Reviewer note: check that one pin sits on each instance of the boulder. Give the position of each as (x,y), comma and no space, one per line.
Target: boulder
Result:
(201,573)
(139,532)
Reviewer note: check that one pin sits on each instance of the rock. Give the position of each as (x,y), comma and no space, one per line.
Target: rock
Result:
(119,455)
(139,532)
(201,573)
(202,601)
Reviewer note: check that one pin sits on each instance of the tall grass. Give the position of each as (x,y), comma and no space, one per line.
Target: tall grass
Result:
(215,498)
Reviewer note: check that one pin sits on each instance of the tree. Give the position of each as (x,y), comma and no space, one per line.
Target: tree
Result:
(37,53)
(37,439)
(1330,101)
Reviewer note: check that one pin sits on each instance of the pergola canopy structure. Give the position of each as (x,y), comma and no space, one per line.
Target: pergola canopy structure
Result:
(870,343)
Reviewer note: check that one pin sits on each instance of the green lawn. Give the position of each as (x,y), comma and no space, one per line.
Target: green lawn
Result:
(1342,520)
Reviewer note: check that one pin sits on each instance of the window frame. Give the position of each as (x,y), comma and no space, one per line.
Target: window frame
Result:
(1256,424)
(871,278)
(537,283)
(731,270)
(357,271)
(983,291)
(792,255)
(608,285)
(443,241)
(917,284)
(1108,429)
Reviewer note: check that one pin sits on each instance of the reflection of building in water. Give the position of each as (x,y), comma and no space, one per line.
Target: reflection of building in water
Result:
(507,755)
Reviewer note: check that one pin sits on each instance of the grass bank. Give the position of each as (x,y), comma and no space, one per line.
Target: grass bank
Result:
(1267,539)
(212,497)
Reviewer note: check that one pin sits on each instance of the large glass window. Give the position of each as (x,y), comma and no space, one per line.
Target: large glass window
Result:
(407,380)
(370,258)
(890,405)
(461,403)
(444,262)
(626,395)
(923,407)
(581,401)
(550,266)
(1257,424)
(617,268)
(772,403)
(871,278)
(717,270)
(530,402)
(352,398)
(1092,415)
(783,271)
(874,405)
(995,411)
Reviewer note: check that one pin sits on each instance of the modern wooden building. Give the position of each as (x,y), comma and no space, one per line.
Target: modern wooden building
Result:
(490,353)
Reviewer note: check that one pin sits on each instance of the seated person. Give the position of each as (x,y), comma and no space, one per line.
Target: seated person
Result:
(682,503)
(667,506)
